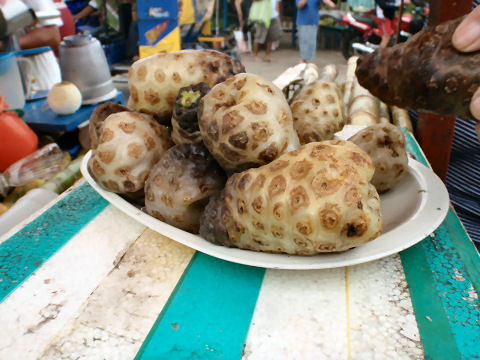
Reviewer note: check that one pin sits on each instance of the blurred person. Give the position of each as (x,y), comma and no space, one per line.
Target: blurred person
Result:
(95,7)
(265,15)
(308,20)
(243,8)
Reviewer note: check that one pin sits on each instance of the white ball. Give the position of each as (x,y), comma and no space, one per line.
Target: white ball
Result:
(64,98)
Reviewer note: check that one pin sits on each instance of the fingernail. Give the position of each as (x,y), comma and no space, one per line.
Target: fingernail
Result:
(475,105)
(466,36)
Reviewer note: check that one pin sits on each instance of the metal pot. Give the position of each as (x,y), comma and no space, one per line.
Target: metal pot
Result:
(84,63)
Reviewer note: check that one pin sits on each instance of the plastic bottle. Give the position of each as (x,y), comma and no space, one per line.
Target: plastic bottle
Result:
(41,164)
(17,140)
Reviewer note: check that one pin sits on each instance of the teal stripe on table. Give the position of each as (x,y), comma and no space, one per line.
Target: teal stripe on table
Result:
(25,251)
(458,296)
(209,313)
(443,277)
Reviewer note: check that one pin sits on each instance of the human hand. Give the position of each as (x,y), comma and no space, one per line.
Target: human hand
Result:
(466,38)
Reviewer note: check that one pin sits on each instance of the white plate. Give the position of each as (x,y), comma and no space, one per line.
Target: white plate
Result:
(412,210)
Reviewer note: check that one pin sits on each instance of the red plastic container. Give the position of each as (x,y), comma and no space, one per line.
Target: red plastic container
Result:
(17,140)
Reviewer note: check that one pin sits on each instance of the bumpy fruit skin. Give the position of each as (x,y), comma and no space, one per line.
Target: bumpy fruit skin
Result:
(185,128)
(154,81)
(426,73)
(385,144)
(180,184)
(97,118)
(315,199)
(246,122)
(129,145)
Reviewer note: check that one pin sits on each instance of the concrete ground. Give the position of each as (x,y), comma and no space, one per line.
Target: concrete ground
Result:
(286,56)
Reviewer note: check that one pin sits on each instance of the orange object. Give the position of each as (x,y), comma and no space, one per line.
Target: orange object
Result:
(17,140)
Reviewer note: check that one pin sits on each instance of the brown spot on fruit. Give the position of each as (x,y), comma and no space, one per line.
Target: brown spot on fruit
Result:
(322,185)
(330,99)
(258,225)
(97,168)
(158,180)
(240,83)
(257,107)
(260,180)
(300,169)
(277,186)
(231,120)
(142,73)
(352,197)
(398,169)
(277,231)
(278,211)
(228,153)
(278,165)
(212,131)
(167,200)
(107,135)
(323,152)
(243,182)
(106,156)
(134,93)
(260,131)
(112,185)
(159,76)
(149,193)
(135,150)
(129,186)
(127,127)
(257,204)
(218,94)
(330,216)
(299,198)
(356,227)
(176,77)
(122,171)
(148,141)
(316,102)
(241,207)
(151,96)
(304,227)
(269,154)
(157,215)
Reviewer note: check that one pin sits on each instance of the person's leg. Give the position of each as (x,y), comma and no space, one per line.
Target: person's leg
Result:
(256,45)
(307,36)
(268,50)
(385,40)
(260,37)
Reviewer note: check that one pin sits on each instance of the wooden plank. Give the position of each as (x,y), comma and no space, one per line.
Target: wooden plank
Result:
(36,311)
(208,315)
(116,318)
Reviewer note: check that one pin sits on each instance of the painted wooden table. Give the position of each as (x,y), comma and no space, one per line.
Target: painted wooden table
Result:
(84,281)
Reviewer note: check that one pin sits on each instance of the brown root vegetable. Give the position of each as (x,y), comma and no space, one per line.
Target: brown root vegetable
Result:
(426,73)
(97,118)
(180,185)
(154,81)
(317,109)
(246,122)
(185,128)
(385,144)
(129,145)
(312,200)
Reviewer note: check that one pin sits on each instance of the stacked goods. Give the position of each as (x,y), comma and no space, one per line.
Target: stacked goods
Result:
(238,174)
(318,108)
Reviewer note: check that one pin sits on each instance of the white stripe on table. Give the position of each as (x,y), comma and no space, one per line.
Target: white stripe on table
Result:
(304,315)
(299,315)
(382,322)
(117,317)
(35,312)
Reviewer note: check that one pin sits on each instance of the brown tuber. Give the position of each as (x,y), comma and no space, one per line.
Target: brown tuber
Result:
(426,73)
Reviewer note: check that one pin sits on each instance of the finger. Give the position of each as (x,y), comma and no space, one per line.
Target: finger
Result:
(467,35)
(475,104)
